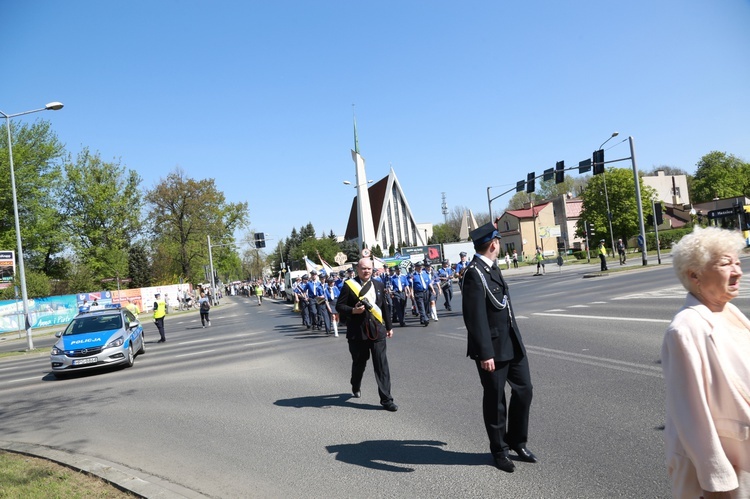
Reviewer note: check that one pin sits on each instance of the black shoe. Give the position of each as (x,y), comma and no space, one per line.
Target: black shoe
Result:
(503,463)
(391,407)
(426,323)
(525,454)
(403,324)
(162,341)
(356,394)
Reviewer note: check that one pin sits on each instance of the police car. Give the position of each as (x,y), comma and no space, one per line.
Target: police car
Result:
(101,336)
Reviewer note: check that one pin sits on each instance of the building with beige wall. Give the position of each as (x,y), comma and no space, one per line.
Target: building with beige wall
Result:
(525,229)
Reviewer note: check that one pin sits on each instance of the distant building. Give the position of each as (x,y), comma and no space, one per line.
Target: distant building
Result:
(526,229)
(392,218)
(670,189)
(567,211)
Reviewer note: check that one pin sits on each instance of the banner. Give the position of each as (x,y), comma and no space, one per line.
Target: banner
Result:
(7,268)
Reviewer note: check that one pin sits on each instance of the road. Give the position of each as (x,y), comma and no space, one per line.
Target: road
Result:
(257,406)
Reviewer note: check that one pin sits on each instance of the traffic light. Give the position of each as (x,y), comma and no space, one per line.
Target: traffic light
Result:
(549,174)
(260,240)
(584,166)
(590,231)
(658,214)
(530,182)
(598,161)
(560,172)
(520,185)
(649,219)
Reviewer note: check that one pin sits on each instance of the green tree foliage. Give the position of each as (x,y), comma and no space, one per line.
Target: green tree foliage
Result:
(548,189)
(351,250)
(311,246)
(443,233)
(101,206)
(36,159)
(622,203)
(182,213)
(139,266)
(720,175)
(519,199)
(37,286)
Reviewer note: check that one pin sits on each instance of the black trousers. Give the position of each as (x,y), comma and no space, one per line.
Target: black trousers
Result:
(448,295)
(603,262)
(361,350)
(160,326)
(422,300)
(399,306)
(507,425)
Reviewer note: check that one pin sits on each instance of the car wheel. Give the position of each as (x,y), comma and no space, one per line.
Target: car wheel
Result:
(131,357)
(143,345)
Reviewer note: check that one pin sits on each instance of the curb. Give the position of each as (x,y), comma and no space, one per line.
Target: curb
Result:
(122,477)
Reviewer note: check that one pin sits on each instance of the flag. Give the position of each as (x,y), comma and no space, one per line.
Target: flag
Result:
(326,268)
(310,265)
(378,262)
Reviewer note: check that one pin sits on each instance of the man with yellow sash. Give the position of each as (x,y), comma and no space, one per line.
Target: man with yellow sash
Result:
(363,305)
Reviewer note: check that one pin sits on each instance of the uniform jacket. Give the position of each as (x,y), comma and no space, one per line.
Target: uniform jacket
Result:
(492,333)
(355,323)
(707,431)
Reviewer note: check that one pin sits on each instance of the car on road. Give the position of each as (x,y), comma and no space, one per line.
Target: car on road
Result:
(98,338)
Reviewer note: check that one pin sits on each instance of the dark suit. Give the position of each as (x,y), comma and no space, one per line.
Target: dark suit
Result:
(494,334)
(364,339)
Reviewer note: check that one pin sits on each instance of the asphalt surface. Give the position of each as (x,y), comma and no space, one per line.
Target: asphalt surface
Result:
(144,484)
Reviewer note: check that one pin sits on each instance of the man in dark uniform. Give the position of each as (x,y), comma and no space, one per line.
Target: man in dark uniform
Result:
(494,342)
(362,301)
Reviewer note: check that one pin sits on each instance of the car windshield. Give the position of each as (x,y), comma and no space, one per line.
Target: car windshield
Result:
(92,324)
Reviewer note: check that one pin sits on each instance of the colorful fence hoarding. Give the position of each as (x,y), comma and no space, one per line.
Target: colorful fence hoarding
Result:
(43,312)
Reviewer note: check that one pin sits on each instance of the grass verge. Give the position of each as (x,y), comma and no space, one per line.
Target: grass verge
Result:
(31,478)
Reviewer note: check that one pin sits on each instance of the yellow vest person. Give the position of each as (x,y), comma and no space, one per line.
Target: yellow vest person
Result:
(160,310)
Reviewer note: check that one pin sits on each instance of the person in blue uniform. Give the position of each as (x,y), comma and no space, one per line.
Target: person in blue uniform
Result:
(495,344)
(420,286)
(400,288)
(445,278)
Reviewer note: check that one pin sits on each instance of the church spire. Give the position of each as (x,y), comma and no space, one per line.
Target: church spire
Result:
(356,140)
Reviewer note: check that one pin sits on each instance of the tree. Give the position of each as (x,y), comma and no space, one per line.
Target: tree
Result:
(100,204)
(548,189)
(443,233)
(183,212)
(622,203)
(139,266)
(720,175)
(519,199)
(36,155)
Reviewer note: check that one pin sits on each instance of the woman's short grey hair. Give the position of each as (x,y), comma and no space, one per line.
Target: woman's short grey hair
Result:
(695,251)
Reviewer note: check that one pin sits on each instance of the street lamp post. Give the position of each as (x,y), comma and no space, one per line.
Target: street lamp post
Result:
(52,106)
(638,201)
(606,196)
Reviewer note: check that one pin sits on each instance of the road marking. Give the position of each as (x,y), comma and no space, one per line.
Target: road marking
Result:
(195,341)
(261,343)
(591,360)
(21,379)
(578,306)
(603,317)
(195,353)
(616,365)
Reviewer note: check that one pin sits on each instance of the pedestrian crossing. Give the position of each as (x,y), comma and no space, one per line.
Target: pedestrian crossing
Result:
(670,293)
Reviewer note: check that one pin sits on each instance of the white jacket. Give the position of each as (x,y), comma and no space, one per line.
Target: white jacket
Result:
(707,432)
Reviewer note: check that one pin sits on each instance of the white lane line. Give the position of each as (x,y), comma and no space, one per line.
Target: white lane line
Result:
(594,358)
(260,343)
(606,318)
(21,379)
(591,360)
(607,363)
(194,353)
(578,306)
(195,341)
(248,334)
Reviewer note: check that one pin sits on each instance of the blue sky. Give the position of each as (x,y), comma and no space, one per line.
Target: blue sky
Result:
(456,96)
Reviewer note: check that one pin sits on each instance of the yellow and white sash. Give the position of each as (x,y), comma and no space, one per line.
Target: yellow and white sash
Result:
(371,296)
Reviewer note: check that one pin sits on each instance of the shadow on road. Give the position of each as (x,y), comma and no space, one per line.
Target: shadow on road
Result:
(396,455)
(326,401)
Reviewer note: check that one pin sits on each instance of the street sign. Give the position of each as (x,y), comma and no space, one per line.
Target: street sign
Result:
(726,212)
(640,241)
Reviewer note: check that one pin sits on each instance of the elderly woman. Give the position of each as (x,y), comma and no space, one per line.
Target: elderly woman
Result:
(706,361)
